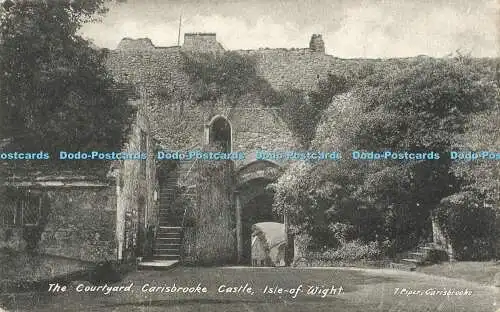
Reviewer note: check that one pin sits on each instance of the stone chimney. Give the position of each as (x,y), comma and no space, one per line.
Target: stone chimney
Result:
(201,42)
(316,44)
(135,44)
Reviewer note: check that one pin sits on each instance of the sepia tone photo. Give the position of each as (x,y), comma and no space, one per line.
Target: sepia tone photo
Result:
(249,155)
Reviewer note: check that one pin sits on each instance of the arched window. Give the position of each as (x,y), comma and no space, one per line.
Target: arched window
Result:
(220,133)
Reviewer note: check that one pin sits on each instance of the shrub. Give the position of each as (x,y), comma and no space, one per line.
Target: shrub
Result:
(352,251)
(469,224)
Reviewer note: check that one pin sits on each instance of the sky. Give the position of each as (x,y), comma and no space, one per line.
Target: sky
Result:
(350,28)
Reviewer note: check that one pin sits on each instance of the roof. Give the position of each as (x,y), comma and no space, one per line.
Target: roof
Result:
(272,233)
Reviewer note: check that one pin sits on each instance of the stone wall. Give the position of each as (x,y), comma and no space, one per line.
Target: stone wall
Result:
(81,225)
(497,234)
(291,68)
(136,184)
(77,222)
(178,121)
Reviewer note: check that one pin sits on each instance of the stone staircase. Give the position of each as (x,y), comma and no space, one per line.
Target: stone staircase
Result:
(168,243)
(429,253)
(167,247)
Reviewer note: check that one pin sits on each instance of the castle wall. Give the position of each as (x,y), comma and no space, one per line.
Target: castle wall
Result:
(178,121)
(291,68)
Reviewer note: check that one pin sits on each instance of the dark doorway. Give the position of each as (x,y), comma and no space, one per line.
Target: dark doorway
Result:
(220,135)
(258,209)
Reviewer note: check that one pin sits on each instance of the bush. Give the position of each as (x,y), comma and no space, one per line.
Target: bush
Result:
(352,251)
(470,226)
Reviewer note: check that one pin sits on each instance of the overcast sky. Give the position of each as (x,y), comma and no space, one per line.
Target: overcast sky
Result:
(350,28)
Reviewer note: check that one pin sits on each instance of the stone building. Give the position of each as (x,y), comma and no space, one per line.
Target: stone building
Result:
(181,123)
(91,216)
(163,209)
(192,225)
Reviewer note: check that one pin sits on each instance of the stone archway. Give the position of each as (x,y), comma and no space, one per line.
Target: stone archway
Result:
(254,202)
(220,134)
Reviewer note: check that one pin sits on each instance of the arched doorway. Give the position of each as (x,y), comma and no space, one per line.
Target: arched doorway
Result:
(220,134)
(257,209)
(254,202)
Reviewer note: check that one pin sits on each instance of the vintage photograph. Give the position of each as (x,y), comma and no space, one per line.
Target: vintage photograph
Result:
(250,155)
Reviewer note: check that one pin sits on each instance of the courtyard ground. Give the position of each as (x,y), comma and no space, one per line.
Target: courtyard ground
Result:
(479,272)
(362,290)
(19,269)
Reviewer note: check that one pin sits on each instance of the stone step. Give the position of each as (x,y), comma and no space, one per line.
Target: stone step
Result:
(166,251)
(169,222)
(417,255)
(169,237)
(162,233)
(157,264)
(411,261)
(167,246)
(167,231)
(165,257)
(164,213)
(161,241)
(177,228)
(168,188)
(167,194)
(427,249)
(402,266)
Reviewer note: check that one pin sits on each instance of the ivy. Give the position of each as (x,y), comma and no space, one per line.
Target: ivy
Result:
(224,74)
(231,75)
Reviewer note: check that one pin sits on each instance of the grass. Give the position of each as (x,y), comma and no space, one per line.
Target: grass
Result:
(363,290)
(479,272)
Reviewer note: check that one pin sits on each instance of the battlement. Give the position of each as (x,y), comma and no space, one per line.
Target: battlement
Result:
(207,42)
(140,61)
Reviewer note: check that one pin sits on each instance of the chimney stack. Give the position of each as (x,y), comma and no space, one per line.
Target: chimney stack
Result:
(201,42)
(316,44)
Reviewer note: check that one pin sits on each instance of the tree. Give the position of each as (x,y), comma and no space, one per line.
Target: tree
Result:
(418,108)
(55,90)
(470,217)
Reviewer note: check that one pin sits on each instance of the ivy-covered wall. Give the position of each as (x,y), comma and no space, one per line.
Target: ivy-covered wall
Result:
(210,237)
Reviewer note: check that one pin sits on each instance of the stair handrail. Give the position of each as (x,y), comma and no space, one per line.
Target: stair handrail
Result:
(185,178)
(187,187)
(184,214)
(186,175)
